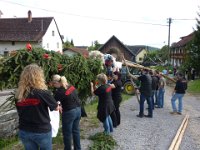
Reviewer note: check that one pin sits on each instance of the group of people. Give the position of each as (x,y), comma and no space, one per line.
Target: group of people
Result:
(34,100)
(109,99)
(152,90)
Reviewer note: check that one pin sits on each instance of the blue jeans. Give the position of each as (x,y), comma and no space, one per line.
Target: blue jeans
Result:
(70,127)
(161,93)
(108,125)
(35,141)
(149,102)
(173,101)
(153,98)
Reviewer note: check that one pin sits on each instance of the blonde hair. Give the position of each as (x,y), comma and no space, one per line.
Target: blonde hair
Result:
(32,76)
(102,78)
(60,79)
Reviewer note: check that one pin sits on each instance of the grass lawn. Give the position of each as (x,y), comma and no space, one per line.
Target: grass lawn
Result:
(194,87)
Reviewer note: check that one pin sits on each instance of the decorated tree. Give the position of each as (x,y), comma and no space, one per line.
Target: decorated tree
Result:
(78,70)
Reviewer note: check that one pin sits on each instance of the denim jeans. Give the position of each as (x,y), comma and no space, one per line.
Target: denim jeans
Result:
(173,101)
(70,128)
(149,102)
(108,125)
(35,141)
(153,98)
(156,96)
(161,93)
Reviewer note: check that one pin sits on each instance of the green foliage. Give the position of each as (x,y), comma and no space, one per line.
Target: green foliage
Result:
(102,141)
(194,86)
(4,142)
(94,46)
(68,44)
(78,70)
(163,54)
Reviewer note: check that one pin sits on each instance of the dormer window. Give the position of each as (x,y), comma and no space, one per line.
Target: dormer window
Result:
(13,42)
(53,33)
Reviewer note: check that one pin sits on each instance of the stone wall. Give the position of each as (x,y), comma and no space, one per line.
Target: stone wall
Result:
(8,117)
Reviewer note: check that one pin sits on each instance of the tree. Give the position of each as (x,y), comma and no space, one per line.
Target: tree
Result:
(193,57)
(95,46)
(163,54)
(68,44)
(78,70)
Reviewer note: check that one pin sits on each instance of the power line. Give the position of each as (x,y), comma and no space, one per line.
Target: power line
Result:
(185,19)
(90,17)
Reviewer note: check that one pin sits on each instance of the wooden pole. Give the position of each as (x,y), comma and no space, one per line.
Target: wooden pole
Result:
(134,65)
(179,135)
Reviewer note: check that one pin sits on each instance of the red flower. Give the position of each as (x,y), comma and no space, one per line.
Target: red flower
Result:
(28,47)
(46,56)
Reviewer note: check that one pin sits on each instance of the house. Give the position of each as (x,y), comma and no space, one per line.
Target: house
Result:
(74,50)
(178,51)
(120,49)
(140,52)
(134,53)
(42,32)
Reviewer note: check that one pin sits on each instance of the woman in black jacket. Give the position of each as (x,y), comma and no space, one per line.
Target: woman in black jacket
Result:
(116,85)
(71,111)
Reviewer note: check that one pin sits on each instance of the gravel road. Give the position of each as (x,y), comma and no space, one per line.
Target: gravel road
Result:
(154,133)
(158,132)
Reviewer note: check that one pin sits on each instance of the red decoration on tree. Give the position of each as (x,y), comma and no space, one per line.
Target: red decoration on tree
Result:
(28,47)
(46,56)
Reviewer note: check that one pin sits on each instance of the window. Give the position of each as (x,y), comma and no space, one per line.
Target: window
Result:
(140,58)
(53,33)
(13,42)
(57,44)
(5,53)
(47,45)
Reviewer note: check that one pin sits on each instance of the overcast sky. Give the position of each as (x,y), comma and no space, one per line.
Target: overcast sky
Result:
(133,22)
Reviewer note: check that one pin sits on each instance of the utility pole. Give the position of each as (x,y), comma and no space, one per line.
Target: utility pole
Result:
(169,21)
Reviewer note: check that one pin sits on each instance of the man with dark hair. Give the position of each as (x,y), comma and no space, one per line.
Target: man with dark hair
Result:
(145,93)
(178,93)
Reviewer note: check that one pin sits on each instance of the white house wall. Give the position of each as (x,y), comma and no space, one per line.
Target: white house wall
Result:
(141,55)
(50,42)
(7,46)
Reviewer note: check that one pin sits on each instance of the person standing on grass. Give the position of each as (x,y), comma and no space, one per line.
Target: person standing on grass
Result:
(178,93)
(116,85)
(32,102)
(145,92)
(71,111)
(105,103)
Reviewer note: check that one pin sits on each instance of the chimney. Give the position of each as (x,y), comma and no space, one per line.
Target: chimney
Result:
(29,16)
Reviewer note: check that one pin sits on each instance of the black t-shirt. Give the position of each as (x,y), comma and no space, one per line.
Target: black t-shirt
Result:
(116,92)
(105,105)
(146,84)
(155,82)
(181,86)
(33,111)
(68,97)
